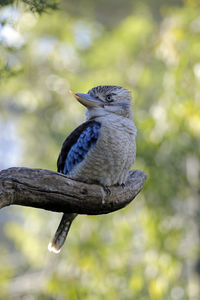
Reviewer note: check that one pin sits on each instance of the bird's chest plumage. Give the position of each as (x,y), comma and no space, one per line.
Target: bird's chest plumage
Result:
(109,161)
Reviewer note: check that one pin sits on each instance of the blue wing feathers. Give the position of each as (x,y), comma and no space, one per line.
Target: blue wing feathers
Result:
(86,140)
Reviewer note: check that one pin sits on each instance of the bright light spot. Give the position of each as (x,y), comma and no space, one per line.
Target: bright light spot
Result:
(27,21)
(192,169)
(45,46)
(170,223)
(9,14)
(158,112)
(57,84)
(157,287)
(68,57)
(196,70)
(167,48)
(63,55)
(84,34)
(194,124)
(195,25)
(10,37)
(177,293)
(9,145)
(193,289)
(161,125)
(151,256)
(151,271)
(28,100)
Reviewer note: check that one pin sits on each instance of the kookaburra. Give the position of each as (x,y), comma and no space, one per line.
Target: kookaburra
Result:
(102,149)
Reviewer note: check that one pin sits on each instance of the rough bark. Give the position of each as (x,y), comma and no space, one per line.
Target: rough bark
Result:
(56,192)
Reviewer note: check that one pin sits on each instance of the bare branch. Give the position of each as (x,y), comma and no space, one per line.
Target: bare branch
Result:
(55,192)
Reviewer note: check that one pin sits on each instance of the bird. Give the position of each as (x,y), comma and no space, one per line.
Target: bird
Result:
(102,149)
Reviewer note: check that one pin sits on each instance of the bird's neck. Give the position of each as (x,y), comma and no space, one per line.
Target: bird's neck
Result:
(92,114)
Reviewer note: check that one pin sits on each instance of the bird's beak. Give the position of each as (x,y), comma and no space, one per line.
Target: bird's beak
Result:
(88,100)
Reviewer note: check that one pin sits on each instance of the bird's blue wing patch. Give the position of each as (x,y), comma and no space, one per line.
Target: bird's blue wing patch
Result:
(84,143)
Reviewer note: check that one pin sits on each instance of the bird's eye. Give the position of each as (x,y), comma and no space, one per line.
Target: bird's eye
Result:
(109,98)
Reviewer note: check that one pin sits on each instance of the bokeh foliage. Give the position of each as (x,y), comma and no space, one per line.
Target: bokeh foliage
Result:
(150,250)
(35,6)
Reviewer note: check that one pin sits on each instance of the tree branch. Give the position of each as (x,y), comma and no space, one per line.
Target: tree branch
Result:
(56,192)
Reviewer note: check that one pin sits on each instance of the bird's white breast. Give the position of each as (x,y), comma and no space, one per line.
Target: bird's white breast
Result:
(109,161)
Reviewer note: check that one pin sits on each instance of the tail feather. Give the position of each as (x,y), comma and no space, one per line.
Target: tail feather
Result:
(61,233)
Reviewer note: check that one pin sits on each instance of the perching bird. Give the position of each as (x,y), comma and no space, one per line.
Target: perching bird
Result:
(102,149)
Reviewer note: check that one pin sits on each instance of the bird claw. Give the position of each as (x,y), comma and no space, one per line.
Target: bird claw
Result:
(107,190)
(123,185)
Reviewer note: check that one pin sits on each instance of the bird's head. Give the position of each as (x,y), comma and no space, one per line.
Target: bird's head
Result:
(106,99)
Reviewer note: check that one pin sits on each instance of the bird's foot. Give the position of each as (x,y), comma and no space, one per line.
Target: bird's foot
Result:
(123,185)
(107,190)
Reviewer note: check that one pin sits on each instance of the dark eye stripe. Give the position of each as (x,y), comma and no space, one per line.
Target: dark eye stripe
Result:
(111,94)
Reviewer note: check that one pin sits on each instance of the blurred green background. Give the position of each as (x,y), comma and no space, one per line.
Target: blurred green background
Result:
(149,250)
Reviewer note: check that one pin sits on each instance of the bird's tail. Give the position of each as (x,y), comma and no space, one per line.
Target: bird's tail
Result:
(61,233)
